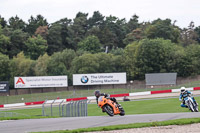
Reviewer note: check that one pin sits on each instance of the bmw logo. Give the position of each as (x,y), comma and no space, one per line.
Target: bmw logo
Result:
(84,79)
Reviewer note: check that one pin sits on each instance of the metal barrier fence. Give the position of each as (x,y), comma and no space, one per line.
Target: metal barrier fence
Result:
(63,109)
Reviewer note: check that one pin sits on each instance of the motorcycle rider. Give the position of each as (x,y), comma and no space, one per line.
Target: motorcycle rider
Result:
(97,93)
(185,93)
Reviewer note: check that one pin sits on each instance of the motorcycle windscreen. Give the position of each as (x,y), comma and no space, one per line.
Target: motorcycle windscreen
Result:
(100,99)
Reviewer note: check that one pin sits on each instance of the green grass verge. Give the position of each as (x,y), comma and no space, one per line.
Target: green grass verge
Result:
(152,106)
(129,126)
(24,117)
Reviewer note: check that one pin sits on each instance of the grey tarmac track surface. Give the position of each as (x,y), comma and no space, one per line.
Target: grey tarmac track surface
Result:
(52,124)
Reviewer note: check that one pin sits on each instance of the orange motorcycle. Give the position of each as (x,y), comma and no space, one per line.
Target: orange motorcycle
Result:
(110,107)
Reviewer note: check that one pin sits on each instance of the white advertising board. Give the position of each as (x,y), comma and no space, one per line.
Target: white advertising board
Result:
(41,81)
(99,78)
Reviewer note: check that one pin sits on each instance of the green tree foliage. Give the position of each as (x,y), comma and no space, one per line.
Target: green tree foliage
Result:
(66,32)
(54,39)
(153,56)
(95,24)
(113,32)
(197,30)
(60,63)
(133,23)
(36,46)
(4,67)
(34,23)
(96,20)
(193,57)
(118,60)
(163,29)
(91,44)
(3,22)
(109,63)
(178,61)
(17,41)
(4,42)
(78,29)
(75,45)
(135,35)
(117,51)
(107,38)
(188,35)
(40,68)
(130,53)
(97,63)
(16,23)
(149,56)
(87,63)
(106,63)
(21,66)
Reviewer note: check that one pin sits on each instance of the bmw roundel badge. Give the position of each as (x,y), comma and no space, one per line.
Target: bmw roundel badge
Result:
(84,79)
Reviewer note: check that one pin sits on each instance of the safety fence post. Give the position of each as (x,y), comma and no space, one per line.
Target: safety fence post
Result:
(59,107)
(43,108)
(52,106)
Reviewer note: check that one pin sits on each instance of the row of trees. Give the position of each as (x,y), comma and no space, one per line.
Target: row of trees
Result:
(137,58)
(93,34)
(67,46)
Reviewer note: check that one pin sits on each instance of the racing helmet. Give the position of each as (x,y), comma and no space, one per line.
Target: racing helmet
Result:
(97,93)
(183,90)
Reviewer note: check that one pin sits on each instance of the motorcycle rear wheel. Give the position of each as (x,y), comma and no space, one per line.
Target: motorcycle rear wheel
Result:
(196,108)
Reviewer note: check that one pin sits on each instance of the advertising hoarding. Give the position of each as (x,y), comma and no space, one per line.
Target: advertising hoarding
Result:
(4,86)
(160,78)
(41,81)
(99,78)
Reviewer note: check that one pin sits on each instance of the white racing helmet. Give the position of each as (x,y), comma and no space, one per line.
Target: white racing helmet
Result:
(183,89)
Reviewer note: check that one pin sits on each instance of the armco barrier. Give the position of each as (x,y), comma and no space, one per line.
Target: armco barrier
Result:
(34,103)
(76,99)
(119,95)
(161,91)
(93,97)
(196,88)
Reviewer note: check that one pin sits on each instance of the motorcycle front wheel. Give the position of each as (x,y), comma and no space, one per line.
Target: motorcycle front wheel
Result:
(122,112)
(109,110)
(191,107)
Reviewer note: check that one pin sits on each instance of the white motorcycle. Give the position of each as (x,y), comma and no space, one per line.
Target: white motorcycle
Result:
(191,105)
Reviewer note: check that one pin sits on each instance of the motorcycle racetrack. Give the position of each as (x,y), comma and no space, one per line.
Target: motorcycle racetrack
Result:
(69,123)
(52,124)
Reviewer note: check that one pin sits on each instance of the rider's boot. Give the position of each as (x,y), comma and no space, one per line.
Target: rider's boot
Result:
(196,103)
(183,105)
(119,105)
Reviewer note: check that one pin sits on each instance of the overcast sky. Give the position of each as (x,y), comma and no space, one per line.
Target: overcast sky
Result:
(184,11)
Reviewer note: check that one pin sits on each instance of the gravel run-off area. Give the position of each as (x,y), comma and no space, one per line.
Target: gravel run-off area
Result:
(192,128)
